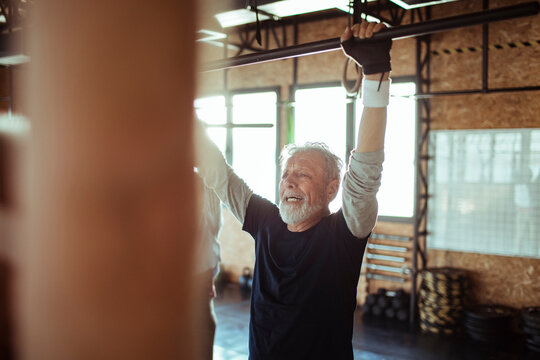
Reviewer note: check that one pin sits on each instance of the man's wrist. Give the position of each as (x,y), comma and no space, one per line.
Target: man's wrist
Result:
(377,77)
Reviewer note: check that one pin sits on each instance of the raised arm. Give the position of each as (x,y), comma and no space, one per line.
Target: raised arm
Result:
(363,178)
(218,175)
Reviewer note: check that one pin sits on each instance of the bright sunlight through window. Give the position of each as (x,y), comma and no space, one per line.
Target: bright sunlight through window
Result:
(321,115)
(252,139)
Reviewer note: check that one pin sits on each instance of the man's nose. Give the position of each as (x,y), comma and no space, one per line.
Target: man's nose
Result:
(290,183)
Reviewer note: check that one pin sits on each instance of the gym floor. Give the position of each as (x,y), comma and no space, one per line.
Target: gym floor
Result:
(373,339)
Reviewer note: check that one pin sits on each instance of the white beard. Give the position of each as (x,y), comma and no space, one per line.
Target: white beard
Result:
(292,214)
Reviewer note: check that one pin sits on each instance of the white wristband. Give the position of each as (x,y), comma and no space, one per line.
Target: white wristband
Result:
(373,96)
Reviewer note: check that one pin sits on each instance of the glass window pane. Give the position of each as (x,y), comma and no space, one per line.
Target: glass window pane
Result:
(396,195)
(255,108)
(254,149)
(254,159)
(212,111)
(320,115)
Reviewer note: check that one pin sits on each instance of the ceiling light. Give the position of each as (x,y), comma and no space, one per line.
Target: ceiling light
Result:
(14,59)
(238,17)
(209,35)
(412,4)
(279,9)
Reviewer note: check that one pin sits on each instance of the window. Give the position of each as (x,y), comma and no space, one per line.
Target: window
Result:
(396,195)
(324,113)
(320,115)
(246,135)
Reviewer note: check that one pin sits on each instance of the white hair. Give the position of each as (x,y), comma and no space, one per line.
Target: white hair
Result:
(332,163)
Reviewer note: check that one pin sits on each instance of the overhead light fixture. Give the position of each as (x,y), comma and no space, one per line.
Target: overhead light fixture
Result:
(348,9)
(14,59)
(238,17)
(286,8)
(210,35)
(279,9)
(412,4)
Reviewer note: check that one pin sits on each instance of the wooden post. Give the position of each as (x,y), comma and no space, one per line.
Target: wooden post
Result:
(105,266)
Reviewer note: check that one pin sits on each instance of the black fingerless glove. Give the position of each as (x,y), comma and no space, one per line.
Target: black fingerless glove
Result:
(372,55)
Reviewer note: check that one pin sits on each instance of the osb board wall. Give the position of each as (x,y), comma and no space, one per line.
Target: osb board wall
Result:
(517,67)
(237,247)
(486,111)
(510,281)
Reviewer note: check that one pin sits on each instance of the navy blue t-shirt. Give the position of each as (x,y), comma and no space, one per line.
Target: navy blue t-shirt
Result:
(304,286)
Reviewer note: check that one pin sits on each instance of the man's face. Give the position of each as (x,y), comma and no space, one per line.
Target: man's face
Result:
(302,189)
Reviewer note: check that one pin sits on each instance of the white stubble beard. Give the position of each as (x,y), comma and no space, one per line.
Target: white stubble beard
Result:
(291,214)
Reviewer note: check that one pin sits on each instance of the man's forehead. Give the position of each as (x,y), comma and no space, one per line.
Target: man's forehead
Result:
(308,158)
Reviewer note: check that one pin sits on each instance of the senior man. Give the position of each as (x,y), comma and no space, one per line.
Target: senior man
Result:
(307,259)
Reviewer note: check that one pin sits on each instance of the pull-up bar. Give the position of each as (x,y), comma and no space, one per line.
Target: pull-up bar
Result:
(398,32)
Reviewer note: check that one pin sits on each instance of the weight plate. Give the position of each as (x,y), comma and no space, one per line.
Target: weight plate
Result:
(533,347)
(531,330)
(531,315)
(376,310)
(480,324)
(482,337)
(485,330)
(435,297)
(444,273)
(366,309)
(534,339)
(487,312)
(371,299)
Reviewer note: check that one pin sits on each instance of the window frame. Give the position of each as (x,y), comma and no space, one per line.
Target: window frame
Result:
(350,136)
(229,124)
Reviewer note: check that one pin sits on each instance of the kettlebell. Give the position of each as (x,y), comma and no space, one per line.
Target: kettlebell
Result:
(246,280)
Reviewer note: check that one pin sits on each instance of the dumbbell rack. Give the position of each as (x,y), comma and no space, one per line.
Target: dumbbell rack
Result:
(390,258)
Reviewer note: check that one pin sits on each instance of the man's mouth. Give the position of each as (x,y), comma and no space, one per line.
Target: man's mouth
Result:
(293,198)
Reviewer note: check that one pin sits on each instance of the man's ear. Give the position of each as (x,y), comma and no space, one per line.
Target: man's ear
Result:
(332,189)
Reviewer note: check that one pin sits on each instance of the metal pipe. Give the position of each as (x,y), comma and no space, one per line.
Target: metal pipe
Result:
(476,91)
(485,57)
(398,32)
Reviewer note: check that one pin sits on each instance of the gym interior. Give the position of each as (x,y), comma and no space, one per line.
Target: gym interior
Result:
(98,211)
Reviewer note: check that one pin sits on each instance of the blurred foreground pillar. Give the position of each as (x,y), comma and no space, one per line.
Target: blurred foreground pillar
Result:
(106,260)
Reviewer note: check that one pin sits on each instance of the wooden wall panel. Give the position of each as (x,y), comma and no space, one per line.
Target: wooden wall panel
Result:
(105,268)
(505,280)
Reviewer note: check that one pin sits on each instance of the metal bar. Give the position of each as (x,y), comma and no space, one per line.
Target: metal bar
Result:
(485,42)
(10,80)
(476,91)
(234,126)
(398,32)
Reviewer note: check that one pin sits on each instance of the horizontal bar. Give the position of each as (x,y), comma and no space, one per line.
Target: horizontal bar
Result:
(385,268)
(403,255)
(392,243)
(475,91)
(232,126)
(385,278)
(401,238)
(397,249)
(392,258)
(398,32)
(395,264)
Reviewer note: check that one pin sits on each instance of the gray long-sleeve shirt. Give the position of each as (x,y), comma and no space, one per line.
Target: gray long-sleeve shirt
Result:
(360,184)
